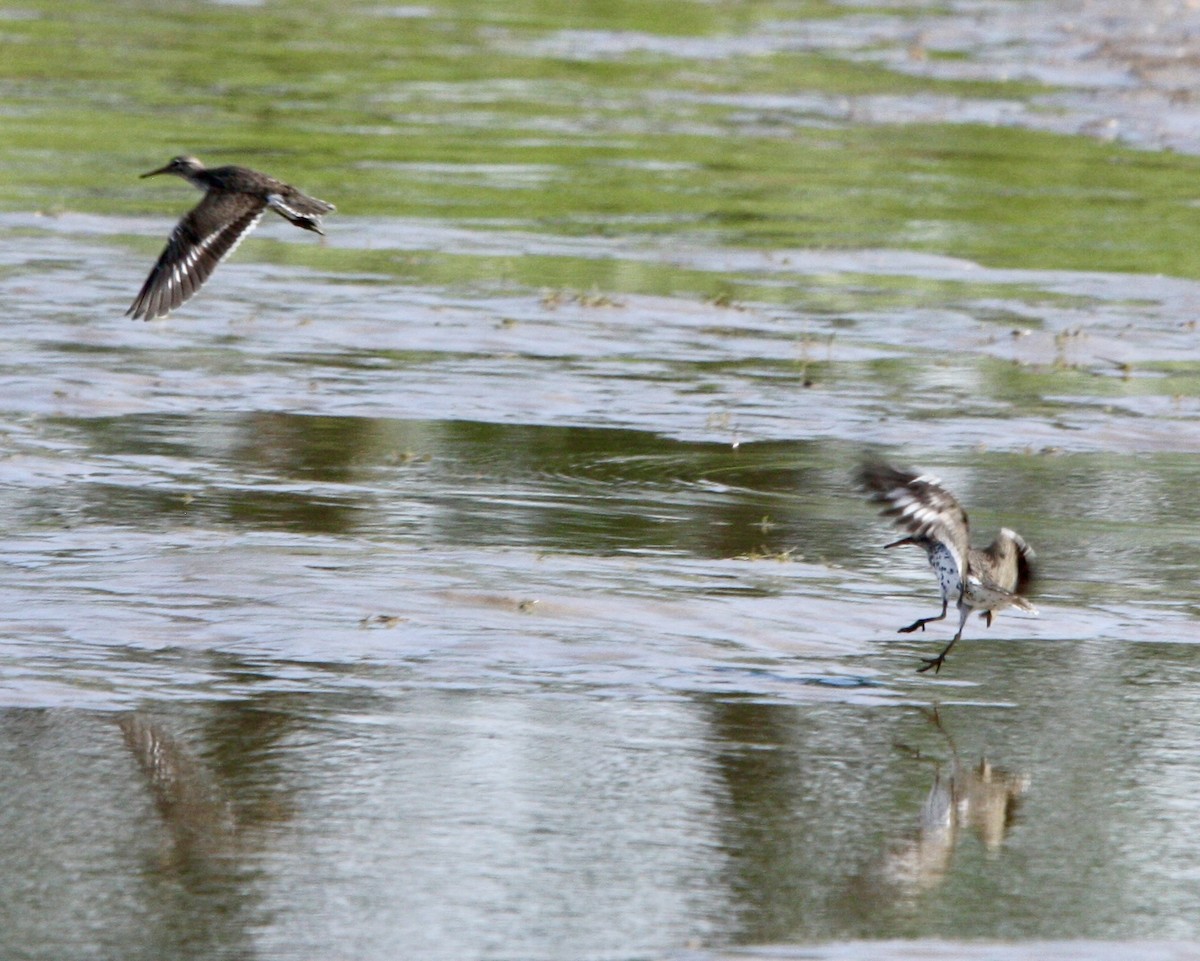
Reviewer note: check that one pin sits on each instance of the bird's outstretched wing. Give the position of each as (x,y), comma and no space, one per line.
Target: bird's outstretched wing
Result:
(920,505)
(208,234)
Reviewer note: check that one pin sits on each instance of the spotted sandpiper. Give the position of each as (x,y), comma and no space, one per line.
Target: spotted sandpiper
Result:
(987,580)
(235,199)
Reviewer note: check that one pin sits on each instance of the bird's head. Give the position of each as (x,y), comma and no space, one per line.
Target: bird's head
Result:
(183,166)
(916,540)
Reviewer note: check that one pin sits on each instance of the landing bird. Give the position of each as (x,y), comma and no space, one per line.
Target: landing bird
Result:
(987,580)
(235,199)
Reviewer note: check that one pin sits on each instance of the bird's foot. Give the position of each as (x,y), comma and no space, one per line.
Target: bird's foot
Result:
(932,663)
(918,625)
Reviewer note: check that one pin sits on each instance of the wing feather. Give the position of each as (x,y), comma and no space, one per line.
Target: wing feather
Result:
(920,505)
(200,241)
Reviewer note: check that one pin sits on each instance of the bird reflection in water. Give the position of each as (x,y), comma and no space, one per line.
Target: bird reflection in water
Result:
(188,798)
(965,799)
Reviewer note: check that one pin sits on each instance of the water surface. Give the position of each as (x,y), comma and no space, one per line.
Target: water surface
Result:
(488,580)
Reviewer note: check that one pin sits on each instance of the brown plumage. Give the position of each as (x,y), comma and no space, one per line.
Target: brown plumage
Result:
(985,580)
(235,198)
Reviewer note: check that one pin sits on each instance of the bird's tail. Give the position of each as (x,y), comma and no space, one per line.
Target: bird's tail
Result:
(300,209)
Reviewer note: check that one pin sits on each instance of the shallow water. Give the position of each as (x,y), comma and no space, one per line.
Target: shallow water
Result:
(488,580)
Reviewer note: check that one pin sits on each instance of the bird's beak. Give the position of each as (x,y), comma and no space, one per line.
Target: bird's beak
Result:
(899,543)
(160,170)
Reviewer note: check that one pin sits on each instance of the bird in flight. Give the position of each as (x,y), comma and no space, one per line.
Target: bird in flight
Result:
(235,198)
(985,580)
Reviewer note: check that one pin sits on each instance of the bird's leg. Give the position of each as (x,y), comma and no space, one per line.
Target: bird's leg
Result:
(935,663)
(920,623)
